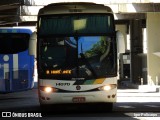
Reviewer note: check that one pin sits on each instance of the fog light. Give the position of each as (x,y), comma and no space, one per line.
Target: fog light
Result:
(48,89)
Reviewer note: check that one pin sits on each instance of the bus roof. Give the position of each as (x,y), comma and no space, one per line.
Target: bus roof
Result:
(74,7)
(15,30)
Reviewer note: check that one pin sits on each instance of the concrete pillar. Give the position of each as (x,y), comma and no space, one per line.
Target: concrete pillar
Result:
(144,58)
(123,29)
(136,50)
(153,37)
(144,69)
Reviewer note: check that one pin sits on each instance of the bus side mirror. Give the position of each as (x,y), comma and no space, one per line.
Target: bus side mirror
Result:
(120,42)
(33,44)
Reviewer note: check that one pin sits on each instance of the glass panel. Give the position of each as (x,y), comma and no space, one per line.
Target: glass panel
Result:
(56,54)
(96,55)
(87,57)
(76,24)
(13,42)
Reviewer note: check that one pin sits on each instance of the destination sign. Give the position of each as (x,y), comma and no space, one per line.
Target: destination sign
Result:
(57,72)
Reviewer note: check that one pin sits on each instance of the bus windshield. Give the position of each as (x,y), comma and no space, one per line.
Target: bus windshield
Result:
(76,46)
(13,42)
(78,24)
(86,57)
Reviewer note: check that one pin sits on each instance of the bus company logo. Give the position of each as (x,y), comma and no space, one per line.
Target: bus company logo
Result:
(78,87)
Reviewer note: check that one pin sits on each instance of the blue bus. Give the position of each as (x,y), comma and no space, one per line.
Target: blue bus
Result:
(16,65)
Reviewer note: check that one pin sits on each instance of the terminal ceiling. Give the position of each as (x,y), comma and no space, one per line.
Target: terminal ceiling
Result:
(24,12)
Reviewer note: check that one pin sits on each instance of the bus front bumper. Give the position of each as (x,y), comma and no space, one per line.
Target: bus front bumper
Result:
(78,97)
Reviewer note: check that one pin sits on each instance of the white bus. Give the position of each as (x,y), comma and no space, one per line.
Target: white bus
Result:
(76,54)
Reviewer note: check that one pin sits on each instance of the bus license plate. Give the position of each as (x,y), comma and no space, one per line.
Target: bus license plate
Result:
(79,99)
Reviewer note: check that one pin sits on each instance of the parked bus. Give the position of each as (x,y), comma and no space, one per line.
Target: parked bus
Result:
(76,54)
(16,65)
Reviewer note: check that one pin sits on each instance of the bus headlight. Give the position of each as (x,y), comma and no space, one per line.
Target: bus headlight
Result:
(108,87)
(48,89)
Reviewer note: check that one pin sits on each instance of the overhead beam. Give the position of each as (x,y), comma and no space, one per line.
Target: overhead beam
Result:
(11,2)
(135,7)
(13,19)
(8,7)
(19,11)
(117,8)
(129,16)
(45,2)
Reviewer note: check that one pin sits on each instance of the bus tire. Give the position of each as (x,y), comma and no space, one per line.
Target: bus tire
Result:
(108,107)
(105,107)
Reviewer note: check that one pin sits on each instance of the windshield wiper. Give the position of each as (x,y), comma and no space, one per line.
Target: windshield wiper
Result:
(89,65)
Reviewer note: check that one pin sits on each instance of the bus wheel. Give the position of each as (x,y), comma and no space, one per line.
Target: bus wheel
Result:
(49,108)
(108,107)
(105,107)
(43,108)
(46,108)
